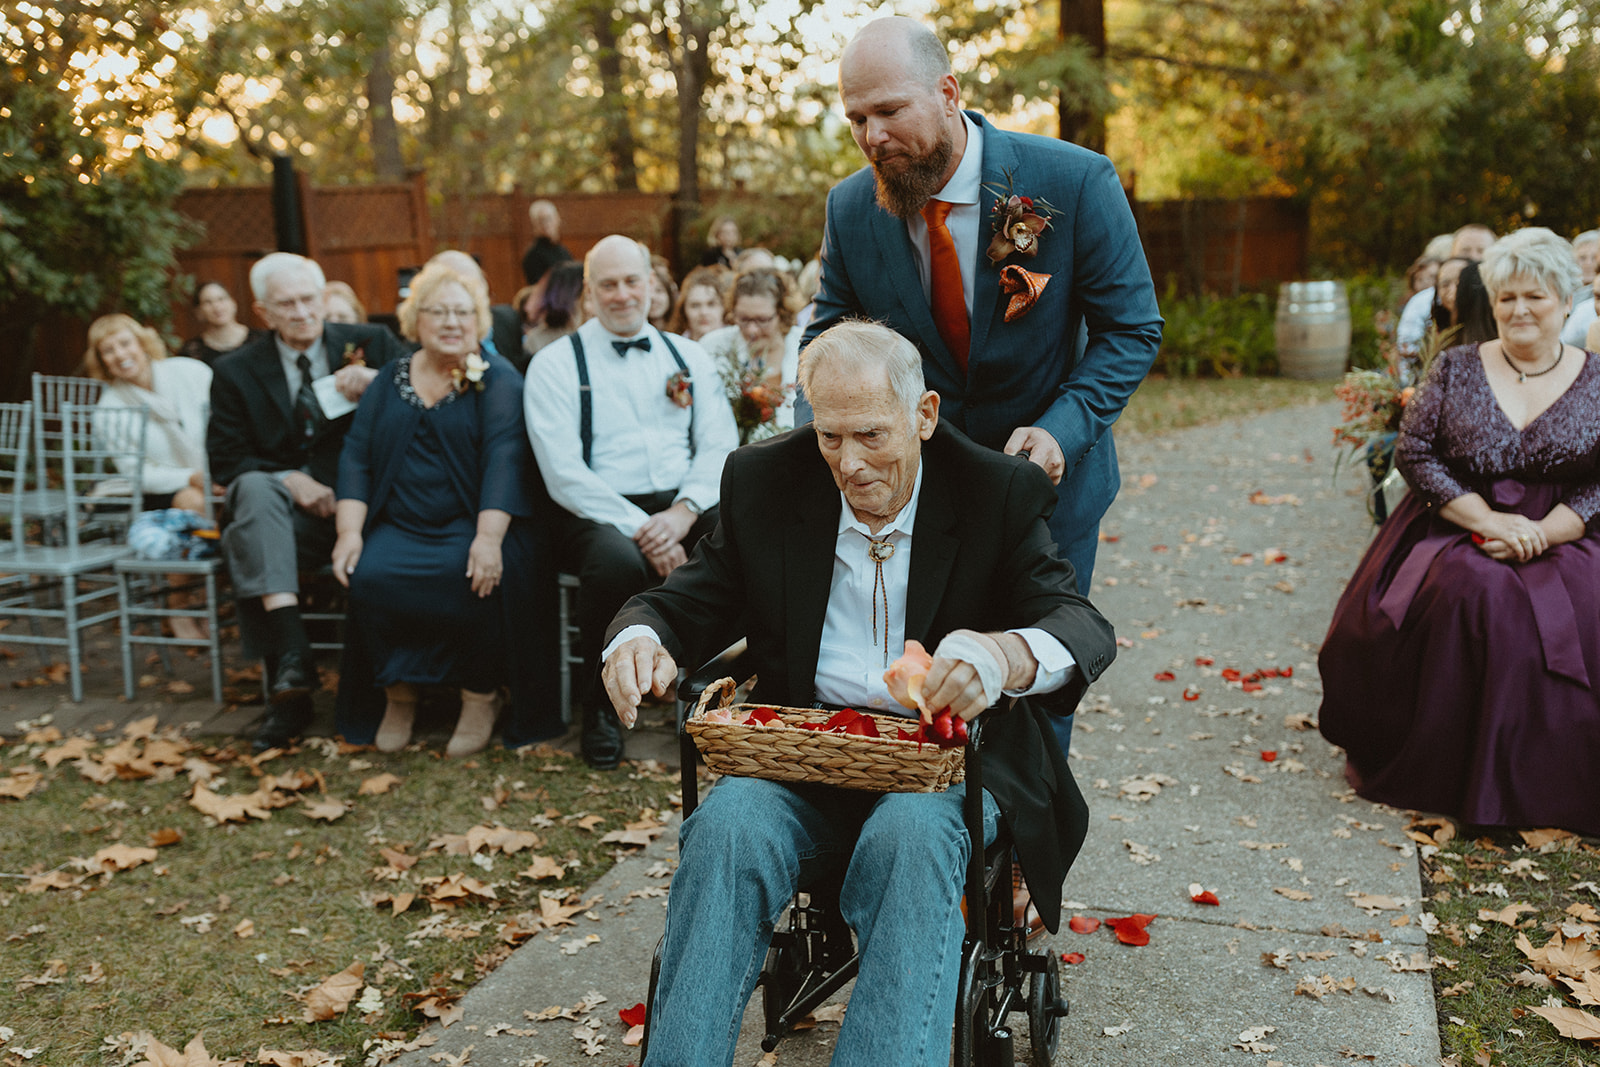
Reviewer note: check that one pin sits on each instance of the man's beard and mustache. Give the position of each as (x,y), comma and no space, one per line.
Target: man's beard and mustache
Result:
(902,194)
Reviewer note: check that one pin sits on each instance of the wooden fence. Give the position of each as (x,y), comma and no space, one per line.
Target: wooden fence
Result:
(365,235)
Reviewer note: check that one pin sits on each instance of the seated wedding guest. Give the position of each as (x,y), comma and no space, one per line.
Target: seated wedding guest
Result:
(1474,313)
(788,570)
(1459,671)
(754,259)
(1469,243)
(663,296)
(560,313)
(343,304)
(630,430)
(220,329)
(723,239)
(1421,275)
(759,355)
(274,438)
(504,336)
(699,308)
(1586,247)
(132,360)
(432,479)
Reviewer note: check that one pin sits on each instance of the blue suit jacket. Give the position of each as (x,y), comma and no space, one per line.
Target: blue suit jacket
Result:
(1034,371)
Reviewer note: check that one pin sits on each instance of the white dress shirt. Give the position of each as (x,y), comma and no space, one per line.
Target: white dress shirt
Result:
(850,657)
(641,438)
(290,359)
(964,222)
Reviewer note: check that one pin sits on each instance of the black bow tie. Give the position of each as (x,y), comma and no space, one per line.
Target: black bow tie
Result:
(641,343)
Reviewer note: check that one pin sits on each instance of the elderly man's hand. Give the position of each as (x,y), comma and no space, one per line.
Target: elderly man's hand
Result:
(1042,448)
(957,684)
(352,381)
(309,494)
(637,666)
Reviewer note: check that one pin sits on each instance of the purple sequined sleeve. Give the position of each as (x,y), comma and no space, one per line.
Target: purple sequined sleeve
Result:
(1416,451)
(1456,439)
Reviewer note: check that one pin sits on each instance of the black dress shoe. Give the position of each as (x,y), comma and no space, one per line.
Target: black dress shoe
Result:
(292,677)
(284,722)
(601,743)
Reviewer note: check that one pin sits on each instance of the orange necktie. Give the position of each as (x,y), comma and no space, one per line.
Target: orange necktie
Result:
(948,299)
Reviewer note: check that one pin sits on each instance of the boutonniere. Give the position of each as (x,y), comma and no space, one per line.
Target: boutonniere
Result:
(678,389)
(476,367)
(354,355)
(1019,222)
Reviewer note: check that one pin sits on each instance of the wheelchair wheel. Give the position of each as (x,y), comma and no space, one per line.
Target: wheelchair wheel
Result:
(1046,1008)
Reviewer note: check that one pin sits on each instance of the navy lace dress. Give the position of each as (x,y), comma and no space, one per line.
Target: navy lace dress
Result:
(1456,683)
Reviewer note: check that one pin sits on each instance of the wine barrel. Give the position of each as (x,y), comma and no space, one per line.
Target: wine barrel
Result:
(1312,330)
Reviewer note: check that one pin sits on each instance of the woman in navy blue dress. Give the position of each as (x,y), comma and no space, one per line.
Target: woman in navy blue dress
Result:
(433,480)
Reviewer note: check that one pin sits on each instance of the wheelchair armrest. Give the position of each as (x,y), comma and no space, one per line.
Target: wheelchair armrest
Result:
(690,686)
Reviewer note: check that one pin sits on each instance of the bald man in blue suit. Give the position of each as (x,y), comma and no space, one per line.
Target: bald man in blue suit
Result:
(1052,381)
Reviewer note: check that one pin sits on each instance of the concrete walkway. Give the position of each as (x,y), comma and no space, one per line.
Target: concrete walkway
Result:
(1180,792)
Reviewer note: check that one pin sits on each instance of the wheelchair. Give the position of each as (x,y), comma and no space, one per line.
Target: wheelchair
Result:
(813,956)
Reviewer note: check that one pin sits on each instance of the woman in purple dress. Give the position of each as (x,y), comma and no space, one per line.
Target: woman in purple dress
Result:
(1459,672)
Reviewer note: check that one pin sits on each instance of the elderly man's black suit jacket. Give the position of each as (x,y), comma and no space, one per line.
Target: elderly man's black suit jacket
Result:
(982,558)
(252,413)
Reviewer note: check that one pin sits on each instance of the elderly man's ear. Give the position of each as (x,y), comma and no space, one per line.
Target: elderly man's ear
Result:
(927,414)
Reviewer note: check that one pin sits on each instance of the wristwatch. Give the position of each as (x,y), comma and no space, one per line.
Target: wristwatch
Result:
(694,509)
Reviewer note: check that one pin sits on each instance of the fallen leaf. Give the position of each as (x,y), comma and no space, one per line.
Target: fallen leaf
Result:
(327,809)
(164,837)
(1373,902)
(1116,1031)
(194,1054)
(1507,915)
(245,928)
(1570,1022)
(304,1058)
(1292,894)
(543,867)
(121,857)
(237,808)
(19,783)
(330,999)
(1586,990)
(378,784)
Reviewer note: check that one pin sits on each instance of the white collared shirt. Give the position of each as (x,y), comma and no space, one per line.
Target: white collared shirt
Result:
(641,438)
(289,358)
(850,657)
(963,191)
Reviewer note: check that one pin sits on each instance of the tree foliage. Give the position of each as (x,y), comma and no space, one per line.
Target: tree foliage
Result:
(86,218)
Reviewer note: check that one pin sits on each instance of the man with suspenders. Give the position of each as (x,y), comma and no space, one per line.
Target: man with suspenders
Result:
(630,427)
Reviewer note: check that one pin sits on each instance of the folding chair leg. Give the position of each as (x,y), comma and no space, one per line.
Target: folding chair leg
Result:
(215,641)
(126,633)
(69,593)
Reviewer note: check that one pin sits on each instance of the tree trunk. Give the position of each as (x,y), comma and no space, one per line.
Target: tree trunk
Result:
(387,163)
(619,131)
(691,67)
(1084,19)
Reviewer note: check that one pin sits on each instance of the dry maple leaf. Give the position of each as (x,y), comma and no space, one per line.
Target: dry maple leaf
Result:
(543,867)
(194,1054)
(327,809)
(378,784)
(304,1058)
(1292,894)
(1585,990)
(1572,957)
(121,857)
(230,808)
(1507,915)
(73,748)
(165,836)
(1570,1022)
(20,783)
(333,996)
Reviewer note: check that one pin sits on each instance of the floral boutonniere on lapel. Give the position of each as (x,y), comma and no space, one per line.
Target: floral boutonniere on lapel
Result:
(1019,226)
(476,368)
(354,355)
(680,389)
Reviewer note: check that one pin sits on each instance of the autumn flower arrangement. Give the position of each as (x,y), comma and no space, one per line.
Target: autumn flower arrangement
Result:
(754,400)
(679,389)
(1375,401)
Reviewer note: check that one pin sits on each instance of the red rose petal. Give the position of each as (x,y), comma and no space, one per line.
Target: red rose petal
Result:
(1250,687)
(1478,539)
(1072,957)
(762,716)
(1268,755)
(1190,694)
(1166,676)
(1203,661)
(841,719)
(1208,897)
(1285,672)
(633,1016)
(862,726)
(1230,675)
(1083,924)
(1159,548)
(1131,929)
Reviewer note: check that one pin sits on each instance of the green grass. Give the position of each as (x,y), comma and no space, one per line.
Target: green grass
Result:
(301,882)
(1484,1017)
(1163,404)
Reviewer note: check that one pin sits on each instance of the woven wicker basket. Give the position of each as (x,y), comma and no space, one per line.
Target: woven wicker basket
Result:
(875,764)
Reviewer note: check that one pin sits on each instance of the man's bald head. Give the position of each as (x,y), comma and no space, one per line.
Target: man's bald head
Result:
(917,50)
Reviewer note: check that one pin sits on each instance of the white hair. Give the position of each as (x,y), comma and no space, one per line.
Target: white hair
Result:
(862,345)
(276,265)
(1531,252)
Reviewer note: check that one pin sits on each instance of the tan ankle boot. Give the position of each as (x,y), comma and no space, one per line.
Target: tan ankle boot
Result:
(394,733)
(475,725)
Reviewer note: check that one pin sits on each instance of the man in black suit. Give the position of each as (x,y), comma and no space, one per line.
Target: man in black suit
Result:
(919,533)
(274,441)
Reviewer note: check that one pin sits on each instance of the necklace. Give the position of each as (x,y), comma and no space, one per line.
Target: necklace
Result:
(1523,375)
(879,550)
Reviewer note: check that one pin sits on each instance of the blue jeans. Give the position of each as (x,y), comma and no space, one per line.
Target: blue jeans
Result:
(744,853)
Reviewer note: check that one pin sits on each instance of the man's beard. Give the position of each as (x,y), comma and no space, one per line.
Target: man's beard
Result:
(903,194)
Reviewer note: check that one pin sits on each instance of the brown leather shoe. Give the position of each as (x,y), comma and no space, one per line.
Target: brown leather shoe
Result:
(1023,914)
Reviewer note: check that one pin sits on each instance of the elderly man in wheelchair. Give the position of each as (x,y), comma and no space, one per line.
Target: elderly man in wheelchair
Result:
(901,529)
